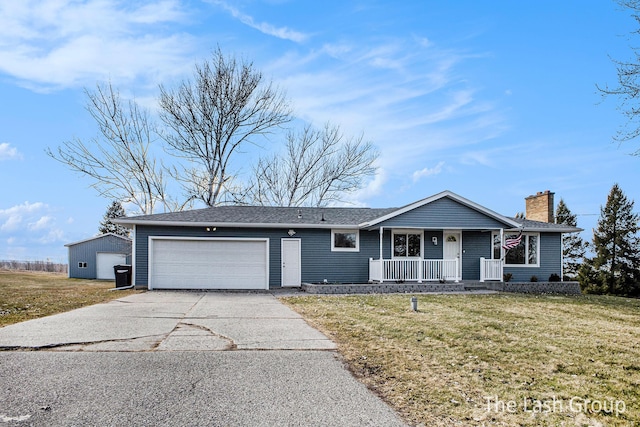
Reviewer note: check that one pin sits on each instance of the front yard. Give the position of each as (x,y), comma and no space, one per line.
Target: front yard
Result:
(491,360)
(27,295)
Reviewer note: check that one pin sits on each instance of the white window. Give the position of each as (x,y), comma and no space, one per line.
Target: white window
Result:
(527,253)
(407,244)
(345,240)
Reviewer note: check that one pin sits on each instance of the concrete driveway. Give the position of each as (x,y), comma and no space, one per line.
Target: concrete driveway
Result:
(180,358)
(167,321)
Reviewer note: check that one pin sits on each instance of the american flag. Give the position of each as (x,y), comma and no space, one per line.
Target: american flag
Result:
(512,243)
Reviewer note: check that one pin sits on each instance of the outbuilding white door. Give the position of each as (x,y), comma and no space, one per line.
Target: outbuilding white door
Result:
(105,262)
(208,263)
(291,260)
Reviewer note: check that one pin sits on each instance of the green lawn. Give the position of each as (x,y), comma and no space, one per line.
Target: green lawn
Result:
(491,360)
(28,295)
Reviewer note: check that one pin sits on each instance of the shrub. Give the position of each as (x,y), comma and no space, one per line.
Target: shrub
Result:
(554,277)
(534,278)
(507,277)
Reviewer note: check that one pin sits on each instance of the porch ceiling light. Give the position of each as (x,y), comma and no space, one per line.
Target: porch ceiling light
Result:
(434,240)
(291,233)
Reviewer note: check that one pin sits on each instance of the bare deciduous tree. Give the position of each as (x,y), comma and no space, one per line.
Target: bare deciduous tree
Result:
(319,166)
(211,117)
(119,161)
(627,89)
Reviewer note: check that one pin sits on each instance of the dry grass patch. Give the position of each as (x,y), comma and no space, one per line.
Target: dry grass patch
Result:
(499,360)
(28,295)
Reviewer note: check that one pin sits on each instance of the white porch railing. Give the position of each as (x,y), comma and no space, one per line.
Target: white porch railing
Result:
(490,269)
(413,270)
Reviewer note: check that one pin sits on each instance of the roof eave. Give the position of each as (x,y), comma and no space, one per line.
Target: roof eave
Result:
(98,237)
(548,229)
(234,224)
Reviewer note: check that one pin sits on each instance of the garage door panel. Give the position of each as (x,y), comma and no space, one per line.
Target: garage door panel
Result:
(209,264)
(105,262)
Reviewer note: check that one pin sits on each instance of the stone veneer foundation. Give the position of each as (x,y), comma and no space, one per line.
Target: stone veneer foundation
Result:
(564,288)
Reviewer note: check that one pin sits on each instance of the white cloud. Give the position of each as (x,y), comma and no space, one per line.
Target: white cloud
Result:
(371,189)
(52,44)
(423,173)
(29,222)
(14,217)
(7,152)
(41,223)
(53,235)
(264,27)
(409,97)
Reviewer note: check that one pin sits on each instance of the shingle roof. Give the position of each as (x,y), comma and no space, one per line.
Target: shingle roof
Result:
(529,225)
(263,215)
(271,216)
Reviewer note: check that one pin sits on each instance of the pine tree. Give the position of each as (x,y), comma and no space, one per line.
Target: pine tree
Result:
(115,210)
(573,247)
(614,269)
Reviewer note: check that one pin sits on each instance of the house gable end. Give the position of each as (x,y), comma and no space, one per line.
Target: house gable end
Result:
(443,213)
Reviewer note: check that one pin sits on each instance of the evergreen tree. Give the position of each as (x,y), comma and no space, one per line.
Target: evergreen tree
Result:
(115,210)
(614,269)
(573,247)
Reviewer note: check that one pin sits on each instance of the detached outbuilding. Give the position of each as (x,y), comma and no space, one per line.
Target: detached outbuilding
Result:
(94,258)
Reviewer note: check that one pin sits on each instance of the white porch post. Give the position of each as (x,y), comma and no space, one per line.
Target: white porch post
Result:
(482,273)
(561,257)
(457,270)
(502,253)
(381,262)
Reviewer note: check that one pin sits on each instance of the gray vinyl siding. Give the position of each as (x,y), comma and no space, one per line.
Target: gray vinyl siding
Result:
(475,244)
(318,261)
(86,252)
(444,213)
(432,251)
(550,260)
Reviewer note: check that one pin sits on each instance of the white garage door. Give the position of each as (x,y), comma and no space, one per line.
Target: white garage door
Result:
(105,262)
(212,263)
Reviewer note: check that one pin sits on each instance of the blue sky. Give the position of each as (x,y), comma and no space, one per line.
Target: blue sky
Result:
(492,100)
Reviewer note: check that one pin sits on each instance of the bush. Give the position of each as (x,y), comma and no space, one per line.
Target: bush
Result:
(554,277)
(534,278)
(506,277)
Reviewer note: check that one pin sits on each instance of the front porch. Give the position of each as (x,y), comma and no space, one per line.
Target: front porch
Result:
(428,270)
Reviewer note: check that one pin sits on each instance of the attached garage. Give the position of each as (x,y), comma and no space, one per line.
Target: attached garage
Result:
(208,263)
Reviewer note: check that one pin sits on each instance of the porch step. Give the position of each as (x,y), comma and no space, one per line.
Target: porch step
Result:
(473,287)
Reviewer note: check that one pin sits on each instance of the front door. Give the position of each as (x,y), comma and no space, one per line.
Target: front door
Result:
(452,249)
(291,263)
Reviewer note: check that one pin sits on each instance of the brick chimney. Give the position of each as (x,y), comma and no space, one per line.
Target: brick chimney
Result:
(539,207)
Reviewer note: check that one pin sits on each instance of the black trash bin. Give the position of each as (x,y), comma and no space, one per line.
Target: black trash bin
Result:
(123,275)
